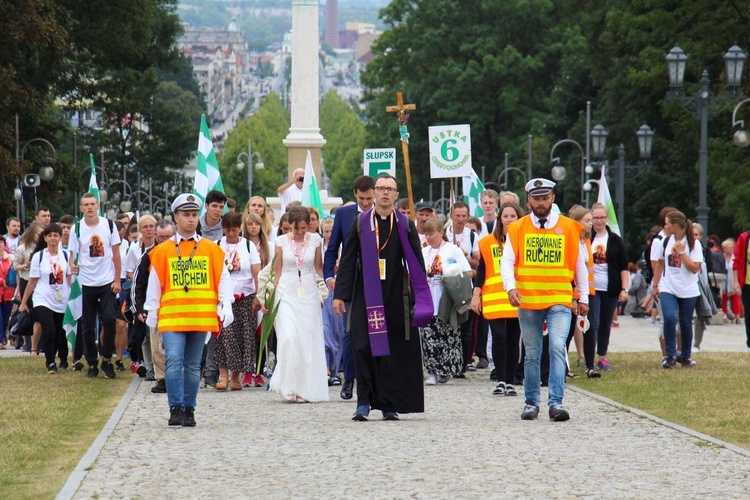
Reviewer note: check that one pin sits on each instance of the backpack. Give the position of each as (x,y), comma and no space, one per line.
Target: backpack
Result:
(648,271)
(77,230)
(11,277)
(65,254)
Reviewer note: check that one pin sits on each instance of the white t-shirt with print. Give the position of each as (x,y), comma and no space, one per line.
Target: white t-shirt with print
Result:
(463,241)
(242,279)
(52,289)
(94,247)
(676,278)
(435,260)
(599,251)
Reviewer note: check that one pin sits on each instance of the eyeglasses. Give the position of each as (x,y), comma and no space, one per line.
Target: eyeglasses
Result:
(384,189)
(599,218)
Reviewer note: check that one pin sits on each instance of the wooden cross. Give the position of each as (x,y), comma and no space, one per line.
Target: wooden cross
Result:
(401,113)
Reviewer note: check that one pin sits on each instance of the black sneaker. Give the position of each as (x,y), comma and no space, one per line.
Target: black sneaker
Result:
(530,412)
(668,362)
(52,369)
(63,364)
(189,420)
(93,372)
(493,374)
(78,365)
(176,415)
(688,363)
(108,369)
(558,413)
(160,387)
(141,371)
(118,366)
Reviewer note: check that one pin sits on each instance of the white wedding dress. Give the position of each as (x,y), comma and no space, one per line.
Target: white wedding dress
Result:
(300,370)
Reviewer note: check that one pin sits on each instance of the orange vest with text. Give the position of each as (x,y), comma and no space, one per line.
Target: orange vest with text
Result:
(196,309)
(545,261)
(495,303)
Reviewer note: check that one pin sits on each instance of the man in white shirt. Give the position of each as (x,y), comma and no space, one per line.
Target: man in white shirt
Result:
(489,199)
(97,245)
(292,190)
(13,236)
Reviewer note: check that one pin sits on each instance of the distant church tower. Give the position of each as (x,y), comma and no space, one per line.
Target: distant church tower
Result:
(332,23)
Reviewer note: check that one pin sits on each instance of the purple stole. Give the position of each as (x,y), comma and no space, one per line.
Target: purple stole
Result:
(423,309)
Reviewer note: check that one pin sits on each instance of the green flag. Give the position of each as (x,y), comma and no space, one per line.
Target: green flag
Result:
(473,188)
(310,190)
(207,175)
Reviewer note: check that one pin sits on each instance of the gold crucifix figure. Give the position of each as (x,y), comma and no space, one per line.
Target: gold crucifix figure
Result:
(403,117)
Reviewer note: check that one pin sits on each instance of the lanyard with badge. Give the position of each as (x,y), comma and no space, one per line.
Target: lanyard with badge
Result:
(381,262)
(180,263)
(299,256)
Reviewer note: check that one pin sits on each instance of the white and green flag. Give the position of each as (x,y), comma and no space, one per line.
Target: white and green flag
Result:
(93,186)
(473,188)
(310,190)
(606,200)
(73,310)
(207,175)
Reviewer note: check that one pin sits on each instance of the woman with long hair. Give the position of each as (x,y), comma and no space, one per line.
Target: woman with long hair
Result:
(22,265)
(257,205)
(252,230)
(300,374)
(49,284)
(610,281)
(585,218)
(676,286)
(491,301)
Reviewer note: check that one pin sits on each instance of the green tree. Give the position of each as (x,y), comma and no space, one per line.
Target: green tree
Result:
(266,128)
(345,141)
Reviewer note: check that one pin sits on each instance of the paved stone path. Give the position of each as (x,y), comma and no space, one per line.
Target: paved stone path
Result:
(468,443)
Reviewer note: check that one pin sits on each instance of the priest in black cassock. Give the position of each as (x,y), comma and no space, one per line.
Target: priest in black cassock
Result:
(380,290)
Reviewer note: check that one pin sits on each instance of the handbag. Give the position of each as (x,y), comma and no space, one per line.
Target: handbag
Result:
(706,306)
(20,324)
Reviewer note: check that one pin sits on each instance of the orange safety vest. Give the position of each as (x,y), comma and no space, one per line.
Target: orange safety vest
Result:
(194,310)
(545,261)
(495,303)
(589,268)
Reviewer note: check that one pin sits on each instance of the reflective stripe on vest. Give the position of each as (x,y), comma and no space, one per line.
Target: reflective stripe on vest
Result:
(495,302)
(545,261)
(196,309)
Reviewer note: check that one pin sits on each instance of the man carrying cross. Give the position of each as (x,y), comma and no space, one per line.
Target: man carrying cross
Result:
(385,338)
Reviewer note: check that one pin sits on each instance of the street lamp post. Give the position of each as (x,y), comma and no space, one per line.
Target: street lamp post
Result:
(741,137)
(46,173)
(645,138)
(699,104)
(249,159)
(558,171)
(504,174)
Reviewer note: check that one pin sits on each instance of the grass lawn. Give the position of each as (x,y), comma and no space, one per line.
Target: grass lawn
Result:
(48,423)
(711,398)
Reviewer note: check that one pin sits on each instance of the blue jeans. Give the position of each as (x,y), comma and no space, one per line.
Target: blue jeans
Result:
(183,352)
(601,311)
(674,308)
(558,323)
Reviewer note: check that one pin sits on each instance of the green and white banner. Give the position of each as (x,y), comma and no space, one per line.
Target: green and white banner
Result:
(450,151)
(379,161)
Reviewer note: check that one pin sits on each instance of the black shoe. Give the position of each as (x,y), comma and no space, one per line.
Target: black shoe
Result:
(108,369)
(160,387)
(93,372)
(460,375)
(210,380)
(336,380)
(118,366)
(346,389)
(558,413)
(530,412)
(63,364)
(176,415)
(78,365)
(390,415)
(189,420)
(668,362)
(493,374)
(483,363)
(52,369)
(141,371)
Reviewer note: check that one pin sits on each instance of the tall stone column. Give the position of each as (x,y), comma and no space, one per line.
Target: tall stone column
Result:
(304,133)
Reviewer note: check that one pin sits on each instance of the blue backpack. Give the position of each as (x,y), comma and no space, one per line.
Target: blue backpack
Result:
(11,277)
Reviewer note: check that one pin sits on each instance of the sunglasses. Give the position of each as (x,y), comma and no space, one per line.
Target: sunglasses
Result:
(329,216)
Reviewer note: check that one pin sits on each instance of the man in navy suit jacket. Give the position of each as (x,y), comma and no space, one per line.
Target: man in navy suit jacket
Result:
(364,192)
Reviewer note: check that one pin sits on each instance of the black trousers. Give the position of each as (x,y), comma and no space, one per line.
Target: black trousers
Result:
(505,336)
(53,333)
(98,300)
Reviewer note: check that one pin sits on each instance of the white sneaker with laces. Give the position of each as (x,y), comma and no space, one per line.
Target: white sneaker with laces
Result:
(431,380)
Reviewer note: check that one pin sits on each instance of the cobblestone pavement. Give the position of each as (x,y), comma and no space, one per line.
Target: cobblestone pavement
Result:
(468,443)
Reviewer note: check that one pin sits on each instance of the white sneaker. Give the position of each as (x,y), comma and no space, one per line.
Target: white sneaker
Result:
(431,380)
(696,349)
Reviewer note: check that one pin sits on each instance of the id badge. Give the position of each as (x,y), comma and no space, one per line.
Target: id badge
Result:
(381,265)
(58,296)
(300,293)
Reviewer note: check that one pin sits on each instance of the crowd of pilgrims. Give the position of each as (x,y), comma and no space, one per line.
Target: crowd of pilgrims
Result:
(457,340)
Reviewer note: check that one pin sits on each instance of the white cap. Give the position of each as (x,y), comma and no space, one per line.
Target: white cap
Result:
(186,201)
(539,187)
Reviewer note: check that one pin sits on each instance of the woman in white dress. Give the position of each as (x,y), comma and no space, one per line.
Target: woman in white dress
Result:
(300,373)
